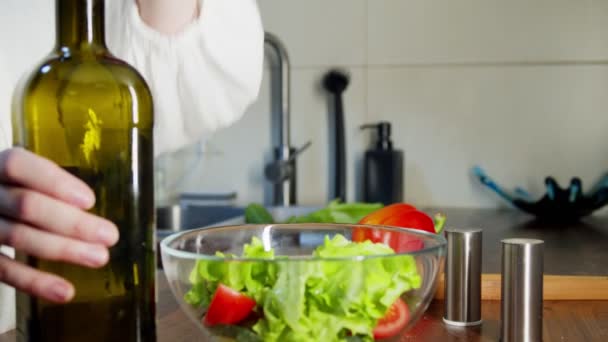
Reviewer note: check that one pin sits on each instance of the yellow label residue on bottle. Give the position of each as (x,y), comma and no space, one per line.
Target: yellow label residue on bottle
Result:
(92,136)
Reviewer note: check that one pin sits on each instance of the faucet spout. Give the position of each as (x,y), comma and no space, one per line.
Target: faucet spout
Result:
(284,70)
(285,190)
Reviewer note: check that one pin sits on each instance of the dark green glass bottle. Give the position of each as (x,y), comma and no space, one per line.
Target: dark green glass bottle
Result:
(91,113)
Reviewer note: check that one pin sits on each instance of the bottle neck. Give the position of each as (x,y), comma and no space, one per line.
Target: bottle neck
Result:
(384,145)
(80,24)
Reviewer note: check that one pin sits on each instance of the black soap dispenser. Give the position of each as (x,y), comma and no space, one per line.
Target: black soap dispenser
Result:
(382,168)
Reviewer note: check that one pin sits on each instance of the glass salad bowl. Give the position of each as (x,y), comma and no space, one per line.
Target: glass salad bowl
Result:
(303,282)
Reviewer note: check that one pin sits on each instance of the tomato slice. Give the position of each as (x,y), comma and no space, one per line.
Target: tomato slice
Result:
(228,307)
(393,322)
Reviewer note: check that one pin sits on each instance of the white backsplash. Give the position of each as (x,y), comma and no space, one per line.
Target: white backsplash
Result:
(519,88)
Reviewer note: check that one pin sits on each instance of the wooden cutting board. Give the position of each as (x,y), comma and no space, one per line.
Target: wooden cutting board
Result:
(555,287)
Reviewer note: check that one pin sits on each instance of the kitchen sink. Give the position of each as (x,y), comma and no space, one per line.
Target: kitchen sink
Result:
(184,217)
(190,216)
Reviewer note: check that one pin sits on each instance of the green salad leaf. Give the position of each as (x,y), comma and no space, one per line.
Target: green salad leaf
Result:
(319,299)
(249,277)
(257,214)
(335,212)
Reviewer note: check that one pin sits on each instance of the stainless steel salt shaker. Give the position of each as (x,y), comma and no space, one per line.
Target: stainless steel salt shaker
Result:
(463,277)
(522,290)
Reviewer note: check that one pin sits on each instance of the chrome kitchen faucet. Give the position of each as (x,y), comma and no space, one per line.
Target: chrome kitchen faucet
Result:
(284,186)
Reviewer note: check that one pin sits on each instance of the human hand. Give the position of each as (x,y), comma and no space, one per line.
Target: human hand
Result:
(42,214)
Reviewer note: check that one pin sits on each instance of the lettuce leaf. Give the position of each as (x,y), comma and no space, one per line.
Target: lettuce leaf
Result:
(313,300)
(249,277)
(257,214)
(337,212)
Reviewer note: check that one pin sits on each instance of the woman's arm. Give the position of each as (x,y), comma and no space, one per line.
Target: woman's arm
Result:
(168,16)
(204,76)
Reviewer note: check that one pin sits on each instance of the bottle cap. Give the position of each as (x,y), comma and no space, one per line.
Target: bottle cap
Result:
(522,290)
(463,277)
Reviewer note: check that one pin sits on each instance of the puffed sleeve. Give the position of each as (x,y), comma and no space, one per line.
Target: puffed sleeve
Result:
(202,78)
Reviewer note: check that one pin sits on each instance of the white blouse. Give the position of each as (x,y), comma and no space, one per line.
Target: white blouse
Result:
(202,78)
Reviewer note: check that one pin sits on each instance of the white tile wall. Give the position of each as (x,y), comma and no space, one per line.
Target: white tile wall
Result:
(519,87)
(24,56)
(319,32)
(236,157)
(442,31)
(310,120)
(520,123)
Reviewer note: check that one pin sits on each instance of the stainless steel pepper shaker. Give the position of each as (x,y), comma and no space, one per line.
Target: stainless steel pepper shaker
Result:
(522,290)
(463,277)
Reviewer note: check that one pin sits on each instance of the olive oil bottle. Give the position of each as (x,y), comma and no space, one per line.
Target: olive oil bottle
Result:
(91,113)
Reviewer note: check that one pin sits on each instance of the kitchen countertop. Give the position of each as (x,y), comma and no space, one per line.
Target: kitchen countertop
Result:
(571,249)
(579,248)
(563,321)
